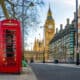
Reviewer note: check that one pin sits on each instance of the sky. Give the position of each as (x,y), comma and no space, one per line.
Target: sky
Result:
(61,10)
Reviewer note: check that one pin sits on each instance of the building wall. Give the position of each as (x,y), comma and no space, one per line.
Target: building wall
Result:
(62,45)
(38,50)
(78,35)
(33,55)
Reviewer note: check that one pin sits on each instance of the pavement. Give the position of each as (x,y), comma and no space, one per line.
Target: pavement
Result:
(27,74)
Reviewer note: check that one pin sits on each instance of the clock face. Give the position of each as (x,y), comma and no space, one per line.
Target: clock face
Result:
(50,26)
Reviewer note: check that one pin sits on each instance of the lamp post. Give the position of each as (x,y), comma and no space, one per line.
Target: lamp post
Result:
(77,50)
(32,58)
(44,43)
(23,24)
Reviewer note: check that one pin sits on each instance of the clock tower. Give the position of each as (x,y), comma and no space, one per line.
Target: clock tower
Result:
(49,29)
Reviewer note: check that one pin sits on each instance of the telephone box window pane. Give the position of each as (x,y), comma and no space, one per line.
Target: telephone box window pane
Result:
(10,41)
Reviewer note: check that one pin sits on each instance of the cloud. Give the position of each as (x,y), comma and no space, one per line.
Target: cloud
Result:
(66,2)
(71,2)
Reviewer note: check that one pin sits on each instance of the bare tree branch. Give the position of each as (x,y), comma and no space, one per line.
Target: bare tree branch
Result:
(2,3)
(12,7)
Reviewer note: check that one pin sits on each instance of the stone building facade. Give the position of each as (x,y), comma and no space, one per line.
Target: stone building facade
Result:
(63,45)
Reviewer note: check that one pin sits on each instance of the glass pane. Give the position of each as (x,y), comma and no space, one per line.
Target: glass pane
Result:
(9,41)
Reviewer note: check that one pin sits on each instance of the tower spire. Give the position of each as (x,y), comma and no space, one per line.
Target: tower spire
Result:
(49,16)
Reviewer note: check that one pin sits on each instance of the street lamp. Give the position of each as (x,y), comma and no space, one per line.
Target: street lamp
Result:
(77,53)
(44,43)
(44,54)
(23,24)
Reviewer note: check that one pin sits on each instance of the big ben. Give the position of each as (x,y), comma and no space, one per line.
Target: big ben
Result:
(49,29)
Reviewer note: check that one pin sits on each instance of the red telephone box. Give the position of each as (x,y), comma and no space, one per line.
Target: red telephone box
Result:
(10,46)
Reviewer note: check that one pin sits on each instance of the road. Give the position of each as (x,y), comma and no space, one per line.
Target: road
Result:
(53,72)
